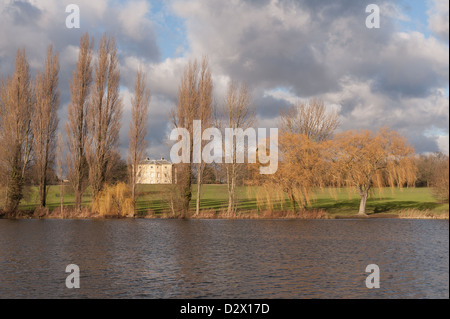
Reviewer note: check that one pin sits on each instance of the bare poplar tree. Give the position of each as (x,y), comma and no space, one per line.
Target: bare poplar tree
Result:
(237,112)
(205,115)
(182,117)
(76,126)
(104,114)
(16,136)
(194,103)
(45,121)
(138,128)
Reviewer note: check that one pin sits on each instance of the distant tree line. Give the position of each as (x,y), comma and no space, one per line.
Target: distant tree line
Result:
(433,171)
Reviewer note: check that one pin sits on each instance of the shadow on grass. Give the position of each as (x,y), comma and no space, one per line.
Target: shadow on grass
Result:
(374,205)
(401,205)
(159,206)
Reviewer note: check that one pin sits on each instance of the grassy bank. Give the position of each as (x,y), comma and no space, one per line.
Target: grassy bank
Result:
(326,203)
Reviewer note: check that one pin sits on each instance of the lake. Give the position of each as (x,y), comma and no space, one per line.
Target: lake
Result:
(224,258)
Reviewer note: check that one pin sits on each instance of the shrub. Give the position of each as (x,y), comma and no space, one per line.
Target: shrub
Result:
(440,182)
(421,214)
(114,201)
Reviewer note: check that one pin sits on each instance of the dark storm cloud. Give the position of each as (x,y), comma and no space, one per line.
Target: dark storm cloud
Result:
(269,107)
(422,143)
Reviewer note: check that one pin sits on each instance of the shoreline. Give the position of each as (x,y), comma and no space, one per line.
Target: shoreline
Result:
(444,216)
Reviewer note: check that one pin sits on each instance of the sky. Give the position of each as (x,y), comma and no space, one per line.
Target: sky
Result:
(284,50)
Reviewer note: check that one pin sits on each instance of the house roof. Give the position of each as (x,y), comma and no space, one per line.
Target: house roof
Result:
(149,161)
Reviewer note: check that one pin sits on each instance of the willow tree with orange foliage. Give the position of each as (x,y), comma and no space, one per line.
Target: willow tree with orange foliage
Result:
(306,130)
(301,169)
(366,159)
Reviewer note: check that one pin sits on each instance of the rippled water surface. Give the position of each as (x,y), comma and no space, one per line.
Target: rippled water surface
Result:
(224,258)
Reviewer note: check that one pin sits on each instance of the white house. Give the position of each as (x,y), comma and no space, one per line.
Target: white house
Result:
(155,172)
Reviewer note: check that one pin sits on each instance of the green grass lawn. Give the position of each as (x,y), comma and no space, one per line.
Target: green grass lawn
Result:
(215,197)
(386,200)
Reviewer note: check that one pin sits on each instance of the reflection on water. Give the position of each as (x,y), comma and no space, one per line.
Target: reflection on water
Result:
(224,258)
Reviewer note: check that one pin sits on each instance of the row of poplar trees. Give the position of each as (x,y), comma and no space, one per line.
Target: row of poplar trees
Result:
(29,122)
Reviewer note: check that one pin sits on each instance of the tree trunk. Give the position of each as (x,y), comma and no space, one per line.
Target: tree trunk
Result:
(133,196)
(362,206)
(78,194)
(231,187)
(61,196)
(292,201)
(43,191)
(14,192)
(199,186)
(187,181)
(230,203)
(231,199)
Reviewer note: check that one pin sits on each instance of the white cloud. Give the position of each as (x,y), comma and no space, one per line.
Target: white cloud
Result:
(280,94)
(439,18)
(132,18)
(443,141)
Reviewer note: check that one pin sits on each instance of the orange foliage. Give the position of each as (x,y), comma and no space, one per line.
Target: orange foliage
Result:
(366,159)
(302,167)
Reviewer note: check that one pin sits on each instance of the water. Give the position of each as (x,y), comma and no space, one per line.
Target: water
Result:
(224,258)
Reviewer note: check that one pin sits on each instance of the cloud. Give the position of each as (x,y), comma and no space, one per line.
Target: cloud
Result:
(283,49)
(375,77)
(300,44)
(442,141)
(412,65)
(438,18)
(36,24)
(362,108)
